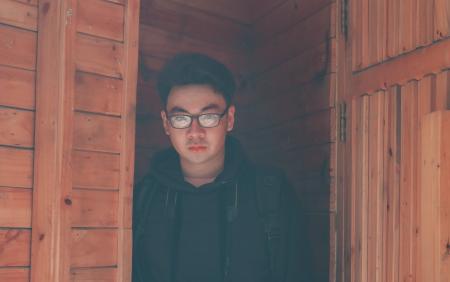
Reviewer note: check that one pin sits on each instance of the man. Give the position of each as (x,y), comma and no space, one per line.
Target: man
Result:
(204,212)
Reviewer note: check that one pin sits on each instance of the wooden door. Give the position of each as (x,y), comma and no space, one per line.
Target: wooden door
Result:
(393,58)
(68,73)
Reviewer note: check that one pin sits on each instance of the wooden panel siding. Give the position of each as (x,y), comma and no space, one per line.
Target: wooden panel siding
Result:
(15,207)
(98,94)
(100,56)
(92,208)
(15,246)
(16,167)
(15,274)
(93,248)
(16,127)
(19,14)
(390,28)
(18,88)
(100,18)
(18,47)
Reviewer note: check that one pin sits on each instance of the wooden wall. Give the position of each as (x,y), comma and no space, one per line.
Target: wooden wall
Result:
(18,47)
(287,110)
(67,90)
(393,73)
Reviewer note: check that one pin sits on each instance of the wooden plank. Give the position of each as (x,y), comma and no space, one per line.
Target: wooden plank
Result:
(16,127)
(94,248)
(15,247)
(16,167)
(441,19)
(375,190)
(124,236)
(425,19)
(108,274)
(309,98)
(96,132)
(233,9)
(392,172)
(442,92)
(304,36)
(18,47)
(95,170)
(92,208)
(407,34)
(285,17)
(356,20)
(98,94)
(100,18)
(100,56)
(407,185)
(19,14)
(311,65)
(393,32)
(50,248)
(435,199)
(163,44)
(15,207)
(18,87)
(366,36)
(301,132)
(420,62)
(182,20)
(15,274)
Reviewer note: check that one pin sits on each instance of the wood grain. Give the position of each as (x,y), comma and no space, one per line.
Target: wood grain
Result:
(94,208)
(18,47)
(15,207)
(108,274)
(16,127)
(100,56)
(15,274)
(17,87)
(95,170)
(93,248)
(96,132)
(19,14)
(98,94)
(16,167)
(100,18)
(14,247)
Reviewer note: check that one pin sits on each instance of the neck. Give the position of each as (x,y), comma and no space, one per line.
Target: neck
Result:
(203,173)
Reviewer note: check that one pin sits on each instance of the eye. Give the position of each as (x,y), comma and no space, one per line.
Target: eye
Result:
(208,120)
(180,121)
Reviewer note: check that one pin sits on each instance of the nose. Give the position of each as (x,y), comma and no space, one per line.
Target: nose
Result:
(195,131)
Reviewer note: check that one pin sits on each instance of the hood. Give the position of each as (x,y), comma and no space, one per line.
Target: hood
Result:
(166,169)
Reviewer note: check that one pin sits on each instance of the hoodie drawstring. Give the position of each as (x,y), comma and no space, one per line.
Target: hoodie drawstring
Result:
(230,214)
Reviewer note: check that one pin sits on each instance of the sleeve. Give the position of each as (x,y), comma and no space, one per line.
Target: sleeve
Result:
(297,247)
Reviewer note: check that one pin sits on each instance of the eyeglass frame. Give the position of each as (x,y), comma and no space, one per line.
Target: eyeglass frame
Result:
(192,117)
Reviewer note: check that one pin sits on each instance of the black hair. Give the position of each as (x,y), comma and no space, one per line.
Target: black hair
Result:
(192,69)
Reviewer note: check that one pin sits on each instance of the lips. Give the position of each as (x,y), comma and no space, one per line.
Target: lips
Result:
(197,148)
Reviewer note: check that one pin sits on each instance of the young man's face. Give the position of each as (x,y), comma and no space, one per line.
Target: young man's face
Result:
(195,144)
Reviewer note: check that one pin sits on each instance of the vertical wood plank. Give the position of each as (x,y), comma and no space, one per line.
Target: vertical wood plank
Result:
(50,253)
(407,25)
(407,185)
(375,219)
(393,12)
(131,47)
(392,169)
(356,35)
(442,93)
(441,19)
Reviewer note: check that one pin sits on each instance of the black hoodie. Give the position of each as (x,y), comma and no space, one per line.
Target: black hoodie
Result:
(211,233)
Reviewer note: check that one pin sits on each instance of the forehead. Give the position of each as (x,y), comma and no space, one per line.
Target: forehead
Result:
(194,98)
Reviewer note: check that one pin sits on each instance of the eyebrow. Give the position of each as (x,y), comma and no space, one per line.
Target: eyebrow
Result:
(177,109)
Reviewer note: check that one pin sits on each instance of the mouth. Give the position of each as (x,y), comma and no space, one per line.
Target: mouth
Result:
(198,148)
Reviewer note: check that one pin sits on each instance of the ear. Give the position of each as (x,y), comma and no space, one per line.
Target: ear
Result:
(165,122)
(230,117)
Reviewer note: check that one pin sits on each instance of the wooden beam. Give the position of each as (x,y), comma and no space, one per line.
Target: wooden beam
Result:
(51,236)
(413,65)
(127,131)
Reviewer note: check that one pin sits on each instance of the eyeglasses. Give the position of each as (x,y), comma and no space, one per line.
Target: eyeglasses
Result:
(207,120)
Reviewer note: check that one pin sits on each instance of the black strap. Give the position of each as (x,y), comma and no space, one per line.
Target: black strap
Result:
(268,196)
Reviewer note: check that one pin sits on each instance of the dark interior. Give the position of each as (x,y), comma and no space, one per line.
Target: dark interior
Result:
(278,51)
